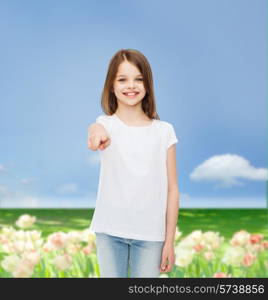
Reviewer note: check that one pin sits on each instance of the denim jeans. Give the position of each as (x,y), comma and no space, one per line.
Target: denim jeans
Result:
(121,257)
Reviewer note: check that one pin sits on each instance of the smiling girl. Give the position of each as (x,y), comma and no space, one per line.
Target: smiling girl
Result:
(138,197)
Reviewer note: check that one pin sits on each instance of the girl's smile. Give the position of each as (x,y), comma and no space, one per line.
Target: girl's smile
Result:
(131,95)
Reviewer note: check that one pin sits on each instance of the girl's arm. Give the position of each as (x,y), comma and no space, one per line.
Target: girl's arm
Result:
(173,196)
(168,255)
(93,128)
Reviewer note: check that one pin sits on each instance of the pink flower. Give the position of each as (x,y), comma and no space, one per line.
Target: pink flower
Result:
(198,247)
(3,239)
(265,244)
(32,257)
(220,275)
(255,238)
(48,247)
(209,255)
(257,247)
(63,262)
(248,259)
(58,239)
(23,269)
(240,238)
(87,249)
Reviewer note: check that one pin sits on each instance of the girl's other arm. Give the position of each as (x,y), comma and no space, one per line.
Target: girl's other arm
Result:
(173,196)
(168,253)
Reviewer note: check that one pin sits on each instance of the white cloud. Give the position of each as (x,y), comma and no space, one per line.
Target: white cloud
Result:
(2,169)
(68,188)
(226,169)
(184,196)
(18,199)
(223,202)
(3,191)
(29,201)
(27,180)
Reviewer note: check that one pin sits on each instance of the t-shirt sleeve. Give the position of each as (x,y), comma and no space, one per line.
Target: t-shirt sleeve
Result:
(171,136)
(105,121)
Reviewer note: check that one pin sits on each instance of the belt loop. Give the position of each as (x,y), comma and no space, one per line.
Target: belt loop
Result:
(128,241)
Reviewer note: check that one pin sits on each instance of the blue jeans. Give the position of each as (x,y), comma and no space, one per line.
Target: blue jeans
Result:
(120,257)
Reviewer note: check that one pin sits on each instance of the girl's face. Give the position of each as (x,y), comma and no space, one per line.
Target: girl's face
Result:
(129,80)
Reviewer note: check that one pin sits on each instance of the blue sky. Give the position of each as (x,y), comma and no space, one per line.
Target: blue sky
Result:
(209,63)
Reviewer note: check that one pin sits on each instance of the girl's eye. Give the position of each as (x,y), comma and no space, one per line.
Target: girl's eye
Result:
(140,79)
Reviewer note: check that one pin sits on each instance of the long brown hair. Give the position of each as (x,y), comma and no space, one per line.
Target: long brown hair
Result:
(108,99)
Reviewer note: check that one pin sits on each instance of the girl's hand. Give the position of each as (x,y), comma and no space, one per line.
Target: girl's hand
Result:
(99,141)
(168,258)
(99,138)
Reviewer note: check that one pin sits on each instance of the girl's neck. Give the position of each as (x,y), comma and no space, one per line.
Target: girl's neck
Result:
(132,117)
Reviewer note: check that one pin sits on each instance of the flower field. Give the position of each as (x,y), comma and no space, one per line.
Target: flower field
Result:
(26,252)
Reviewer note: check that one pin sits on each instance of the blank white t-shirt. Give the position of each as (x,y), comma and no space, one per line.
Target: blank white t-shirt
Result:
(133,188)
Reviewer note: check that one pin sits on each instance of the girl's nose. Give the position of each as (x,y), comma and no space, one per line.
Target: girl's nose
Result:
(131,84)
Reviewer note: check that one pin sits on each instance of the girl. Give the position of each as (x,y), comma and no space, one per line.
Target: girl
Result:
(138,197)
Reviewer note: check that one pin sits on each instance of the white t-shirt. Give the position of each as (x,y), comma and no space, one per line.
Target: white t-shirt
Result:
(133,188)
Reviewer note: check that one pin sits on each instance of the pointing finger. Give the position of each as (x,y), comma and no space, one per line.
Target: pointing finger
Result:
(95,141)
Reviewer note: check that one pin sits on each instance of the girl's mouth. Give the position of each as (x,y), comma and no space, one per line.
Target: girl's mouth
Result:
(131,95)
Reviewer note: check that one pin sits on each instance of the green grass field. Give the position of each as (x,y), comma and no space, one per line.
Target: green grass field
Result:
(225,221)
(226,259)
